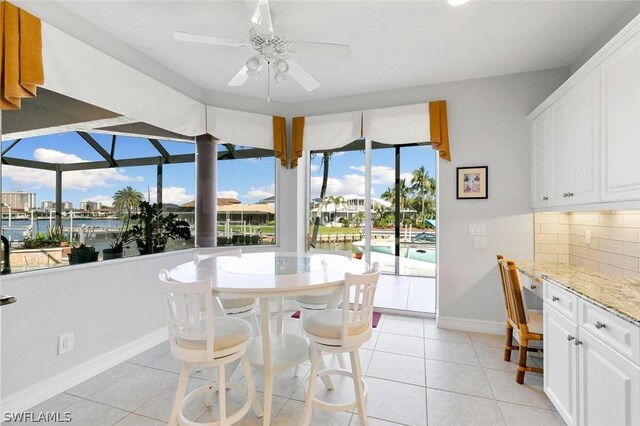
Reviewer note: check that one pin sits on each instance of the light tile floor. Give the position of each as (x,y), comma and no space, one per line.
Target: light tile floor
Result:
(405,293)
(416,373)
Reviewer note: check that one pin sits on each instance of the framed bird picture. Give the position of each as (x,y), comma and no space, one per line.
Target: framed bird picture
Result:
(472,183)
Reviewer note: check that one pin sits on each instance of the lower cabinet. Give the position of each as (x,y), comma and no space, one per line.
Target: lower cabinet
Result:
(561,369)
(609,384)
(589,382)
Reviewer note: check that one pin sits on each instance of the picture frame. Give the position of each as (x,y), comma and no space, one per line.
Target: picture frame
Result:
(472,183)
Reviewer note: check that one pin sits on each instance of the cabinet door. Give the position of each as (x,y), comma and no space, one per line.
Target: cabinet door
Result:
(610,385)
(540,160)
(574,137)
(621,123)
(560,369)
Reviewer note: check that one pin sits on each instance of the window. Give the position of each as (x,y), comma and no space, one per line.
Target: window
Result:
(246,199)
(99,180)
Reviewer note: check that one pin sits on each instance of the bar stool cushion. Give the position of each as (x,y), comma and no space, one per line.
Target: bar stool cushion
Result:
(236,303)
(535,321)
(227,332)
(314,299)
(328,324)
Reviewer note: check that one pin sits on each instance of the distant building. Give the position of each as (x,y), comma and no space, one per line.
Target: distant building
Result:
(90,206)
(51,205)
(19,200)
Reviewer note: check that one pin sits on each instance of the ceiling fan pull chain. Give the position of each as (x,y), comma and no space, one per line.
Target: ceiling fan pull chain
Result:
(268,82)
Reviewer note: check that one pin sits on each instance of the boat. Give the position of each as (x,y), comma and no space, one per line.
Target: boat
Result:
(424,252)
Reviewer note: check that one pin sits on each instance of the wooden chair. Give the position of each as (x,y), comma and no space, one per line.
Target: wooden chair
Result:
(525,324)
(237,307)
(199,339)
(339,331)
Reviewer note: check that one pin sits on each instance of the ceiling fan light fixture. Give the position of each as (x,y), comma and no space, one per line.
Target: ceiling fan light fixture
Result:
(281,66)
(457,2)
(253,74)
(254,63)
(280,77)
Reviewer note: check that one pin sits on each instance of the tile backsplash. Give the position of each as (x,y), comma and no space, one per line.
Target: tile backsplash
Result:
(613,249)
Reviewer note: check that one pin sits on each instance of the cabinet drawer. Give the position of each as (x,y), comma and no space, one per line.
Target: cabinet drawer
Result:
(531,285)
(561,300)
(617,333)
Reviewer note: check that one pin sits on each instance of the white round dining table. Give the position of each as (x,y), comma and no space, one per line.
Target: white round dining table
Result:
(269,275)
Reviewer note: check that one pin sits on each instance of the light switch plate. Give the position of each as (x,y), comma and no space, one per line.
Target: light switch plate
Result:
(476,229)
(479,242)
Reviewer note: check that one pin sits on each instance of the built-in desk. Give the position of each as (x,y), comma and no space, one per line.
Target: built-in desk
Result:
(591,342)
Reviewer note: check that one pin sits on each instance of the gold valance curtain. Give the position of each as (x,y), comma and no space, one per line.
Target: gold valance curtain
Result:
(439,129)
(296,141)
(21,70)
(280,139)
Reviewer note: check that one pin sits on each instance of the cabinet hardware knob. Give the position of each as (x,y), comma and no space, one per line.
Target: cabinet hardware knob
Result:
(533,286)
(569,194)
(554,298)
(600,325)
(565,195)
(545,198)
(570,337)
(577,342)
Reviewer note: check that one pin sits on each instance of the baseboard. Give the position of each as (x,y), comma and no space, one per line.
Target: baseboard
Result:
(475,325)
(40,392)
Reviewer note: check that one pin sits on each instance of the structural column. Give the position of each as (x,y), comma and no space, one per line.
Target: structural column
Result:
(206,208)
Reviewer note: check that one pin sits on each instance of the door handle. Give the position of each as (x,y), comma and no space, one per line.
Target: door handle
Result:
(7,300)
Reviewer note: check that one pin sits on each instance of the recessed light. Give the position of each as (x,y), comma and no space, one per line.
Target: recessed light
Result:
(457,2)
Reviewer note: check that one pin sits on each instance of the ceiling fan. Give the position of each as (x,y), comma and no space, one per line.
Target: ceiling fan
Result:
(274,52)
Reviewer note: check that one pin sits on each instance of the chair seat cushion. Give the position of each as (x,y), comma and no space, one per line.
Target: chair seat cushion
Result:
(535,321)
(314,299)
(237,303)
(227,332)
(328,324)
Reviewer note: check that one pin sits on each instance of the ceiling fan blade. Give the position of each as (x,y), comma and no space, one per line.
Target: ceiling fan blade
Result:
(302,76)
(205,39)
(240,78)
(332,50)
(260,17)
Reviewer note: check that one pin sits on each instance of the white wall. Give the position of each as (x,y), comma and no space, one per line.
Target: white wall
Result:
(487,126)
(106,305)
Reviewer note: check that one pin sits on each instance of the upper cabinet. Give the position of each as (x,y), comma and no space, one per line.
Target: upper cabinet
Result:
(621,123)
(574,138)
(540,157)
(585,137)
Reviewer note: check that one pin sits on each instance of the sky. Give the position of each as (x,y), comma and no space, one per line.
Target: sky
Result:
(247,180)
(346,170)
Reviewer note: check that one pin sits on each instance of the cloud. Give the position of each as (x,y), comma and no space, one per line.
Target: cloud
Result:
(261,192)
(81,180)
(172,195)
(383,175)
(348,184)
(228,194)
(314,168)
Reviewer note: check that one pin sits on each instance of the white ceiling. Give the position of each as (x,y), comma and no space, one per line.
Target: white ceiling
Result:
(395,44)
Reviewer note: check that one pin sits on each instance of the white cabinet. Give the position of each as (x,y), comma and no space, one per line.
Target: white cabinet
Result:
(621,123)
(560,370)
(610,385)
(574,141)
(540,158)
(589,374)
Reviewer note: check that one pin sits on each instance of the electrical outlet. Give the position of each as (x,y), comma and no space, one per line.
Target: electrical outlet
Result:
(65,343)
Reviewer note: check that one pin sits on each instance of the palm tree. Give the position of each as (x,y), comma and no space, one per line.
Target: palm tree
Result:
(337,201)
(424,186)
(126,201)
(323,190)
(358,218)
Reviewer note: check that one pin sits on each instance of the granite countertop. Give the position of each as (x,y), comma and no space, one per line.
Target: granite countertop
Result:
(618,295)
